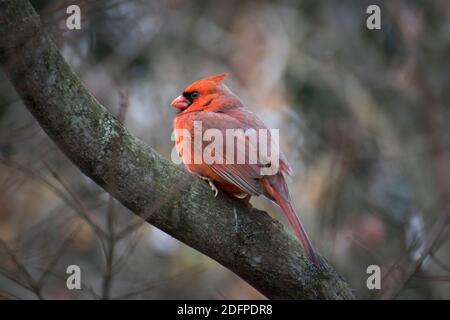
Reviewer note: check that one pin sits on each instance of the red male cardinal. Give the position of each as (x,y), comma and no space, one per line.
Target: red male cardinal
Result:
(216,107)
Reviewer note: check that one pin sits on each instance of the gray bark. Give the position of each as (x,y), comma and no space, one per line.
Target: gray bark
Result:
(254,246)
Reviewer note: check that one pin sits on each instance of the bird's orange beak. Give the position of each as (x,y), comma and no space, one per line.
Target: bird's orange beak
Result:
(180,102)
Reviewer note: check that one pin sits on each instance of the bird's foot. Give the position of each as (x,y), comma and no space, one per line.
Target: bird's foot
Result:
(212,185)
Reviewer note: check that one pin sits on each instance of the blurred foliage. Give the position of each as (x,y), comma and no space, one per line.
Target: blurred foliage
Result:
(364,117)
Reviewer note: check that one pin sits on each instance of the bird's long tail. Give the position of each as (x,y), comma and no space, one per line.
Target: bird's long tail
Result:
(293,219)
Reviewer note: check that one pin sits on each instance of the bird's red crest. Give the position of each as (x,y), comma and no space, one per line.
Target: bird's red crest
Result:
(207,85)
(217,79)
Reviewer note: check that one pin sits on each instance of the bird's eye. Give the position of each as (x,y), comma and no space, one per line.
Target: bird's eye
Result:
(191,95)
(194,95)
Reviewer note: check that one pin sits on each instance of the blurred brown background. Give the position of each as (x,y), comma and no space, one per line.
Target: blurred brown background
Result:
(364,116)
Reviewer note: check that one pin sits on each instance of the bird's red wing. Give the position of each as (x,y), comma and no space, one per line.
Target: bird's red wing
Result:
(250,120)
(246,176)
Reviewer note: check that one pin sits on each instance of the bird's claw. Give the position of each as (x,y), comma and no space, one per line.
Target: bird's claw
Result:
(211,184)
(213,187)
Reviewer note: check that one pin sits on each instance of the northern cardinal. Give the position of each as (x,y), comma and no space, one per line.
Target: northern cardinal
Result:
(211,103)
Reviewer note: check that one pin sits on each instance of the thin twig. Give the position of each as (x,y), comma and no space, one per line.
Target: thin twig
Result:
(109,253)
(23,270)
(429,245)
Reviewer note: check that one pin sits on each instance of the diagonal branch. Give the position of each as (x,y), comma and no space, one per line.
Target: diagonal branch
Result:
(259,251)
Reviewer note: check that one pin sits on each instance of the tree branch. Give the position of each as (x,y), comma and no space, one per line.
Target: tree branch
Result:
(255,247)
